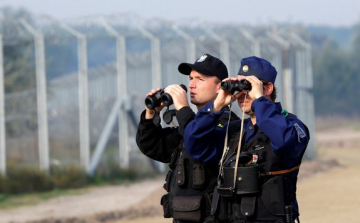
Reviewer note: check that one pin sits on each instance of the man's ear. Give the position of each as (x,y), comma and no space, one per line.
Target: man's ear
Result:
(218,87)
(268,89)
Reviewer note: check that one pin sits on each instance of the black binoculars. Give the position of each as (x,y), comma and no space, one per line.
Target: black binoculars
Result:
(153,101)
(233,86)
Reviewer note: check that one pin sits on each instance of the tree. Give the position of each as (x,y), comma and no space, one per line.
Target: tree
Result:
(336,80)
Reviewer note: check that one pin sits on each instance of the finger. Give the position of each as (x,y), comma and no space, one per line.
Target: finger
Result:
(226,79)
(229,79)
(174,89)
(254,79)
(150,93)
(153,91)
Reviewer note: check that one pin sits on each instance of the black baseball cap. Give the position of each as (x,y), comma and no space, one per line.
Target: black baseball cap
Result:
(207,65)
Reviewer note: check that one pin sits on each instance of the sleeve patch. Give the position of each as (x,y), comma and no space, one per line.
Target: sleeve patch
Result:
(301,133)
(220,125)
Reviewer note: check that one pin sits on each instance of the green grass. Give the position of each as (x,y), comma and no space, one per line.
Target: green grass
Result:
(11,201)
(356,126)
(23,197)
(18,200)
(24,185)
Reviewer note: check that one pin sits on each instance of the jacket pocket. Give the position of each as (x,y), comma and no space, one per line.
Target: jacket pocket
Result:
(166,206)
(187,208)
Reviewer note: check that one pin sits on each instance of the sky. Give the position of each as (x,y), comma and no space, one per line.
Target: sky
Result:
(307,12)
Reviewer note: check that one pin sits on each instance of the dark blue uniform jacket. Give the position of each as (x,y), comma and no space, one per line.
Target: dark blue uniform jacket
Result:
(288,136)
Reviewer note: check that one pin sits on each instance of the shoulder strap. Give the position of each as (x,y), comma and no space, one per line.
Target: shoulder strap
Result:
(279,172)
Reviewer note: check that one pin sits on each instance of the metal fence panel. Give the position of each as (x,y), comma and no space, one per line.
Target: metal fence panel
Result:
(152,54)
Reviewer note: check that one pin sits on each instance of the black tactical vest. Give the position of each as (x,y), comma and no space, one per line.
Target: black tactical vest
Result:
(191,185)
(256,196)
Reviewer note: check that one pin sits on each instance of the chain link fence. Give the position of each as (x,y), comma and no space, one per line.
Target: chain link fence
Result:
(91,78)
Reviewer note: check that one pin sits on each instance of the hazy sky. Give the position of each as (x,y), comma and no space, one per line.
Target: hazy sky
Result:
(316,12)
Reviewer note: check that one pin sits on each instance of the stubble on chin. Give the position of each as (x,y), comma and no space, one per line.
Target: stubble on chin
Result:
(194,102)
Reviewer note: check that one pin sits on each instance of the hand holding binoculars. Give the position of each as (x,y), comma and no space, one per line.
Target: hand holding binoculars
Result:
(233,86)
(153,101)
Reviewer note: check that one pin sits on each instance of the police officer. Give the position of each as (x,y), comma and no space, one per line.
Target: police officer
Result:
(189,183)
(259,156)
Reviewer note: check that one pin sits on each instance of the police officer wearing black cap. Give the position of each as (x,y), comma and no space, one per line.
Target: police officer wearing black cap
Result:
(259,156)
(189,183)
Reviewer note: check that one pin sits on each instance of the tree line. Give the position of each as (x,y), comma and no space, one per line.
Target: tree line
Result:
(337,76)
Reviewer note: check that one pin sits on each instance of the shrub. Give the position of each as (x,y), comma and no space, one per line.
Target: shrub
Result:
(28,180)
(25,180)
(69,177)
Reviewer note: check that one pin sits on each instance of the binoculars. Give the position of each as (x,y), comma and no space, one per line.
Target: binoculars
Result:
(233,86)
(153,101)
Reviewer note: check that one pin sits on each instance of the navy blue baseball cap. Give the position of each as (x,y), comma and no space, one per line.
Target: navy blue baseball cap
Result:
(258,67)
(207,65)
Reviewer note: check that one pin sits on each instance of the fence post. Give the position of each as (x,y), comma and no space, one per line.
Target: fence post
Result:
(83,97)
(43,133)
(155,58)
(304,85)
(286,91)
(191,52)
(255,46)
(155,67)
(2,113)
(121,68)
(224,46)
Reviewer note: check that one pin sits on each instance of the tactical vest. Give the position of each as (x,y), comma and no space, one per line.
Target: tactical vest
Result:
(256,195)
(190,185)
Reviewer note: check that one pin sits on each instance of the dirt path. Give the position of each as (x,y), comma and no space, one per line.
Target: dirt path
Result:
(333,196)
(97,200)
(327,192)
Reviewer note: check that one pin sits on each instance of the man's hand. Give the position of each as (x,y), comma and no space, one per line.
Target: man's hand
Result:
(257,89)
(149,114)
(178,95)
(224,97)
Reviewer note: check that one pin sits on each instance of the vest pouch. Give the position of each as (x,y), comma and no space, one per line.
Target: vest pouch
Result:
(167,181)
(187,208)
(273,195)
(220,207)
(225,186)
(247,181)
(198,176)
(166,207)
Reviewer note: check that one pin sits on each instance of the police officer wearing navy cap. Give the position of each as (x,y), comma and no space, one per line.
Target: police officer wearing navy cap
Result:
(259,156)
(189,183)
